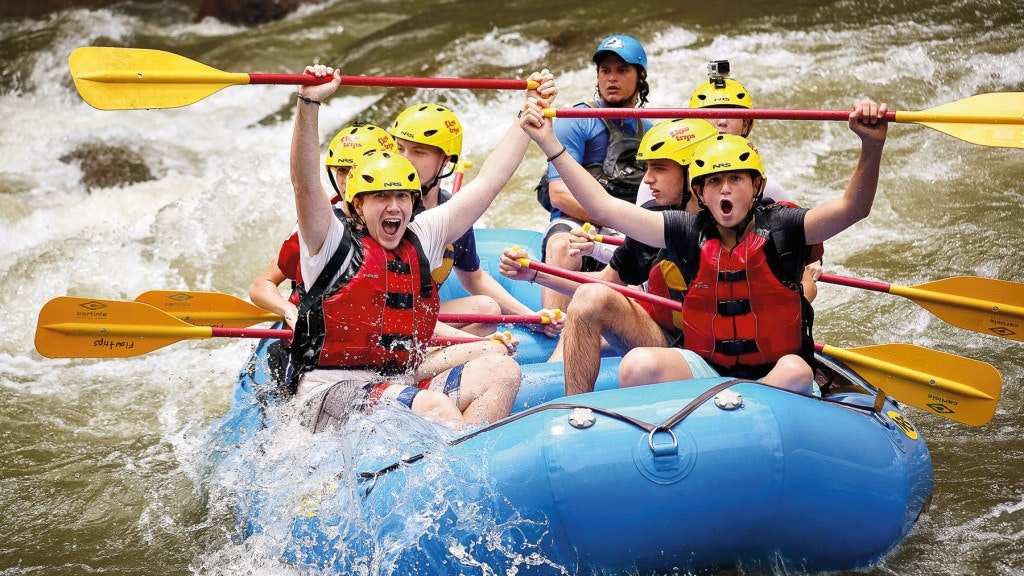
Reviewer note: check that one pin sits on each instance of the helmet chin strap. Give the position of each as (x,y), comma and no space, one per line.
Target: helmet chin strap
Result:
(330,175)
(438,176)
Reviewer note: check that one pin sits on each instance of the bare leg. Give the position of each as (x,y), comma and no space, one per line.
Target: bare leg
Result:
(558,354)
(792,373)
(642,366)
(487,389)
(433,406)
(595,311)
(472,305)
(556,253)
(445,358)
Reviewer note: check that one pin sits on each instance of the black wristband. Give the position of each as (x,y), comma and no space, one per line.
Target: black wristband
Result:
(307,100)
(557,154)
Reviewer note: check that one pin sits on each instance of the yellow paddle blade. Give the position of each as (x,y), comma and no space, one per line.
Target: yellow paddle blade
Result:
(994,307)
(208,308)
(995,119)
(135,78)
(89,328)
(958,388)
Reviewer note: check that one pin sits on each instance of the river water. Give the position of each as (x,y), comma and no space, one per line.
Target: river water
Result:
(103,462)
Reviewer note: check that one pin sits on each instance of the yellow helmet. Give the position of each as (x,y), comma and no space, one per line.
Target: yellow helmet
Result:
(430,124)
(353,141)
(675,139)
(725,153)
(380,171)
(720,92)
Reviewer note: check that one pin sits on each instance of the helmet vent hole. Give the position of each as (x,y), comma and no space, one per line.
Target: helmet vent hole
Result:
(744,156)
(657,146)
(430,133)
(367,178)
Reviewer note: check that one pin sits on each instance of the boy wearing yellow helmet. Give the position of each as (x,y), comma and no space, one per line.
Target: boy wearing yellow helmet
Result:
(598,311)
(742,260)
(368,304)
(721,91)
(430,136)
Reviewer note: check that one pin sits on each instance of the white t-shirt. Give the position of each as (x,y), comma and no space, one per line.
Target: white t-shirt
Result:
(430,227)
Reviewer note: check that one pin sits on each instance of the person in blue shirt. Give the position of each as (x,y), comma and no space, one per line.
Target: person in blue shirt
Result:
(607,148)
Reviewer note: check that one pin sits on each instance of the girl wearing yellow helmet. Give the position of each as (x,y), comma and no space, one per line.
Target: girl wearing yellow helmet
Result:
(738,274)
(347,146)
(368,304)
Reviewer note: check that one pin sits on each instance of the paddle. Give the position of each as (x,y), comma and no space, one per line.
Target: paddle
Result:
(136,78)
(907,372)
(460,172)
(224,310)
(207,308)
(613,240)
(994,119)
(994,307)
(91,328)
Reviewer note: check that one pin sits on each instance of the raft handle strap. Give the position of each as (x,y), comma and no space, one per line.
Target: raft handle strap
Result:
(646,426)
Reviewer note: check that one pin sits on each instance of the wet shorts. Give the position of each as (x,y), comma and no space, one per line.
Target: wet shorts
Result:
(701,369)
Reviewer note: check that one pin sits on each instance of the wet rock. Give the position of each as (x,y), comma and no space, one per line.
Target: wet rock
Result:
(247,12)
(105,165)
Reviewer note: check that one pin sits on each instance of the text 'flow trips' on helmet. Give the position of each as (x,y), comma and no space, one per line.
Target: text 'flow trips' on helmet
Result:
(430,124)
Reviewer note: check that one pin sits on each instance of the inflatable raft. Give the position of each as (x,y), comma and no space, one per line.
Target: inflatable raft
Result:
(654,479)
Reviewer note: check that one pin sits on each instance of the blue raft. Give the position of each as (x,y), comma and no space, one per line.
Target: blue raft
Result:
(654,479)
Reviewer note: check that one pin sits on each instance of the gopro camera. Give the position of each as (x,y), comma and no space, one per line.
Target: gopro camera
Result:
(718,71)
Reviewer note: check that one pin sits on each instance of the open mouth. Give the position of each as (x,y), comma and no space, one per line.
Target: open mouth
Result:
(391,226)
(726,206)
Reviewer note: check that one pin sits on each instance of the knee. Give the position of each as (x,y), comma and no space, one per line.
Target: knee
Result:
(435,406)
(557,247)
(635,368)
(494,370)
(481,304)
(488,306)
(795,374)
(590,302)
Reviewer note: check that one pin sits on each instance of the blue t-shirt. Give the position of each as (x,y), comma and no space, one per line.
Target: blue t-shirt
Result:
(586,140)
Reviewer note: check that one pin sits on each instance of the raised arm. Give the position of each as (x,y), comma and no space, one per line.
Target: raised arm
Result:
(825,221)
(626,217)
(469,204)
(311,204)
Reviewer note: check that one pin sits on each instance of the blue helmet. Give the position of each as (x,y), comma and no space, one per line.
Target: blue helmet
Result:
(626,47)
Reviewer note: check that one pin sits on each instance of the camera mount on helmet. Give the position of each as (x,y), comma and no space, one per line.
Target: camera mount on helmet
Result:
(718,71)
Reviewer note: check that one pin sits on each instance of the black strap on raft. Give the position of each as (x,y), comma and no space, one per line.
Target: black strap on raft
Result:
(668,424)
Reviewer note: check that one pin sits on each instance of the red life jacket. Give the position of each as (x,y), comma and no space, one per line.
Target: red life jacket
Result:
(382,316)
(729,324)
(288,258)
(667,281)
